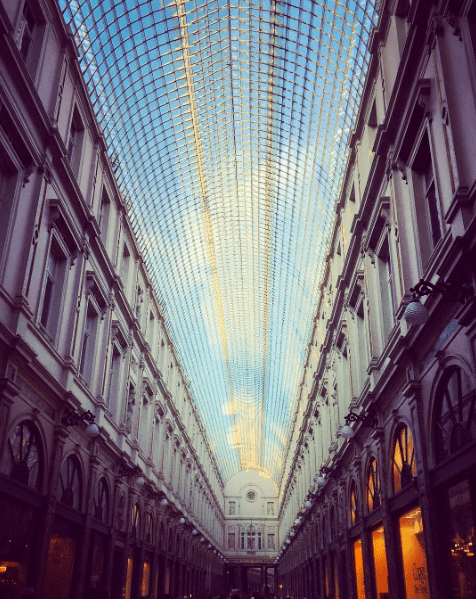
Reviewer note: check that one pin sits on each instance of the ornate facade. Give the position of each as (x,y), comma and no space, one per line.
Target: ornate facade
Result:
(394,514)
(381,504)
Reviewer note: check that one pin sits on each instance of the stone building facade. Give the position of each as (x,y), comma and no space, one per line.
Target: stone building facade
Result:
(138,509)
(394,516)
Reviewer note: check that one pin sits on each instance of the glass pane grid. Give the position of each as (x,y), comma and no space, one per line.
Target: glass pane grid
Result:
(227,125)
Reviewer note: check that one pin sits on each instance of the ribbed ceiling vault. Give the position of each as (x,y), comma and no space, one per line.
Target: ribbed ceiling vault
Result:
(227,123)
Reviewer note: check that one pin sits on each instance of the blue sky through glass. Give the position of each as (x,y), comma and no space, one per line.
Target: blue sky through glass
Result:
(227,123)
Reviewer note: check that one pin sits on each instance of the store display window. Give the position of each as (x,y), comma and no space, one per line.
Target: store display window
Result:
(380,563)
(145,586)
(413,555)
(461,541)
(359,569)
(59,567)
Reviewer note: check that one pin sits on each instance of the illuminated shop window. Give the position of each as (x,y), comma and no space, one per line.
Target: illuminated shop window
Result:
(380,562)
(128,585)
(404,466)
(413,555)
(373,486)
(455,417)
(22,456)
(145,586)
(359,569)
(71,483)
(101,501)
(460,540)
(354,503)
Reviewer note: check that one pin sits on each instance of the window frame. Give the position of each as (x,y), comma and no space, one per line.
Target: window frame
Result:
(53,317)
(34,52)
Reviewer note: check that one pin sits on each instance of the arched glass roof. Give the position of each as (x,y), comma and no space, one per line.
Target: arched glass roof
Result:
(227,122)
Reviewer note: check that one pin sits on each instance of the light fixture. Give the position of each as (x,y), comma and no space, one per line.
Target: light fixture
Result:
(292,533)
(297,522)
(366,418)
(333,472)
(126,471)
(288,541)
(195,532)
(308,504)
(164,502)
(181,520)
(71,418)
(202,540)
(416,313)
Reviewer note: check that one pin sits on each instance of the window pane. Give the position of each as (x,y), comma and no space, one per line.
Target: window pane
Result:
(413,554)
(460,542)
(380,561)
(359,569)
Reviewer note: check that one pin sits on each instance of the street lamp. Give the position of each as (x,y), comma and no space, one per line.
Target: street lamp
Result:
(126,471)
(71,418)
(333,472)
(366,418)
(417,313)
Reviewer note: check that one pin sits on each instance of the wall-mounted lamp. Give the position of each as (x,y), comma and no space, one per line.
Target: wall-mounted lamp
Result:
(202,540)
(366,418)
(182,520)
(417,313)
(194,532)
(130,471)
(158,495)
(71,418)
(333,472)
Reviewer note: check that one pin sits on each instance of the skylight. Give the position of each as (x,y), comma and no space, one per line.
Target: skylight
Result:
(227,125)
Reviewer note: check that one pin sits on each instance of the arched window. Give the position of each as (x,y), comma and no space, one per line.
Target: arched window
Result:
(454,417)
(70,483)
(149,529)
(373,486)
(403,458)
(354,503)
(323,533)
(101,501)
(135,521)
(23,455)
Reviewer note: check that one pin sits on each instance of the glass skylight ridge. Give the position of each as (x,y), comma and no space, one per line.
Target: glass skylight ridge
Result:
(228,125)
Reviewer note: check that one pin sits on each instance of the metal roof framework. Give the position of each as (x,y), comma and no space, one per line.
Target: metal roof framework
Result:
(227,123)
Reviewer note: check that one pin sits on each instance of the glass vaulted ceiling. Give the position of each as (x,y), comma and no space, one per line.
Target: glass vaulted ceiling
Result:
(227,124)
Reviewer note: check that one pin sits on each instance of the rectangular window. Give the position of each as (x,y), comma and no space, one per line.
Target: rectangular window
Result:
(126,256)
(74,142)
(104,215)
(380,561)
(412,548)
(359,569)
(231,508)
(271,543)
(26,31)
(427,207)
(270,508)
(53,289)
(88,343)
(460,539)
(231,540)
(385,276)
